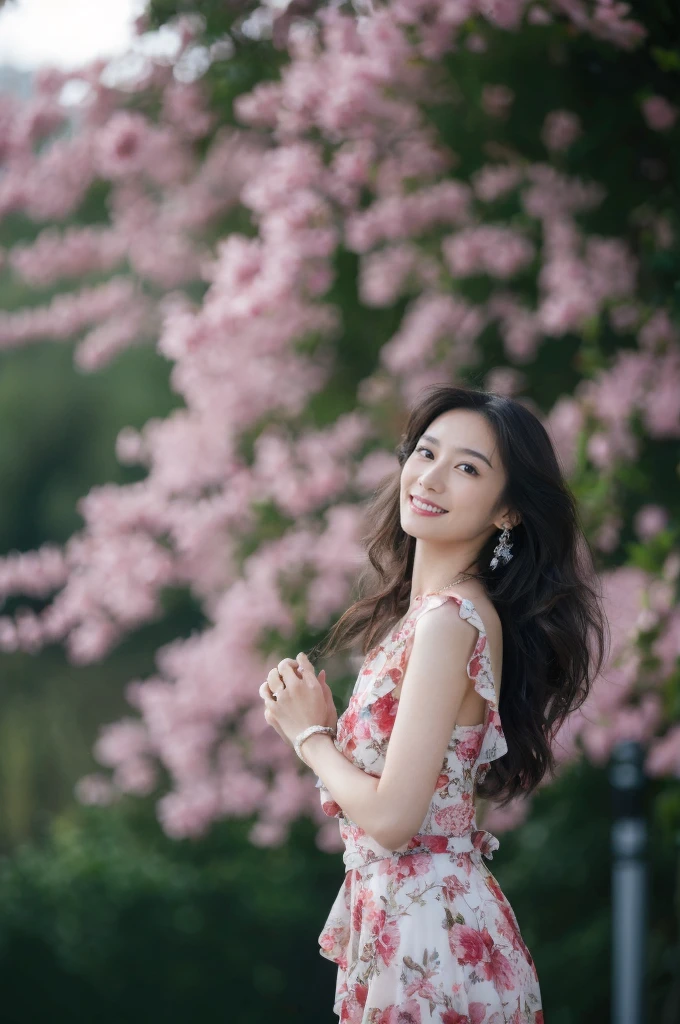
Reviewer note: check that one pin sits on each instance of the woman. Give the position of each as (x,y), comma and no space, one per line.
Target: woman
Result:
(479,572)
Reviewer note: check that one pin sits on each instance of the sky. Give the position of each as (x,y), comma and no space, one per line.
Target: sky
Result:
(64,33)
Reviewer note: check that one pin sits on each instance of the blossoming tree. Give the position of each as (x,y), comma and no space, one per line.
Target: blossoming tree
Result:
(389,204)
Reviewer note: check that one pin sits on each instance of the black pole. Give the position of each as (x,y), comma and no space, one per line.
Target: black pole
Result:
(629,883)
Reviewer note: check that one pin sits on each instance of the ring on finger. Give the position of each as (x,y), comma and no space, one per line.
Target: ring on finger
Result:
(274,693)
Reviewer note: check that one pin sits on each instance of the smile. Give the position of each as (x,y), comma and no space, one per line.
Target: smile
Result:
(423,509)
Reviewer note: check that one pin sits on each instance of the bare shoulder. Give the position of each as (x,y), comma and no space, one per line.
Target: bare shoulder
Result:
(484,605)
(492,624)
(443,624)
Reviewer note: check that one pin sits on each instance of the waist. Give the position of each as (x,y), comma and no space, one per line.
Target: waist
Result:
(360,848)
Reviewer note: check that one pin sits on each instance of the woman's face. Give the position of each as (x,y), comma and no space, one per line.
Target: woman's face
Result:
(455,465)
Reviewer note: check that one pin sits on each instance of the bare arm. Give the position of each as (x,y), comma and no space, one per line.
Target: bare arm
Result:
(392,808)
(352,788)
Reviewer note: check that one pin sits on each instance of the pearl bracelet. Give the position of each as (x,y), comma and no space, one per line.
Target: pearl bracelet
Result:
(302,736)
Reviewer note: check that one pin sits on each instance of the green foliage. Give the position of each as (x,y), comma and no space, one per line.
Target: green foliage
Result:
(57,440)
(121,923)
(118,922)
(250,61)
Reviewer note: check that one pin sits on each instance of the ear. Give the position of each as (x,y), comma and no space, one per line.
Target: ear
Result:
(511,518)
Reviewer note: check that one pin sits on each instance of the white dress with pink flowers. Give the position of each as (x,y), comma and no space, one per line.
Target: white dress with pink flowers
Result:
(424,933)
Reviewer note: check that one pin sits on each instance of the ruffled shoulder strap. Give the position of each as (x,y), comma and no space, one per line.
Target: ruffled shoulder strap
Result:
(386,666)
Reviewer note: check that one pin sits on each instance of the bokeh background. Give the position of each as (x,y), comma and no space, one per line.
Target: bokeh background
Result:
(235,241)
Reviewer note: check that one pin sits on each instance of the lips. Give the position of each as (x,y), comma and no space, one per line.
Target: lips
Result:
(432,503)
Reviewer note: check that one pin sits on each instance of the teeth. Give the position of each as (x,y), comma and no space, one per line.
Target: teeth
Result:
(427,508)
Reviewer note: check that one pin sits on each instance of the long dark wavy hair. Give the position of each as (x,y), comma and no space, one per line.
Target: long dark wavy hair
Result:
(555,632)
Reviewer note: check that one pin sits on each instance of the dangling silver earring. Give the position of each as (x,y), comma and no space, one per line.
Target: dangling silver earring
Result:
(502,550)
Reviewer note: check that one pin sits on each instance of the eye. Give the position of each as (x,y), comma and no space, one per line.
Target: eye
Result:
(422,448)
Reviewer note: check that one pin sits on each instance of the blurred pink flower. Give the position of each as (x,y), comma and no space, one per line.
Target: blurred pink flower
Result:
(96,789)
(560,129)
(497,100)
(650,520)
(659,114)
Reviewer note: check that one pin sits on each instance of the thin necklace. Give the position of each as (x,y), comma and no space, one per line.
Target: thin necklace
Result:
(459,579)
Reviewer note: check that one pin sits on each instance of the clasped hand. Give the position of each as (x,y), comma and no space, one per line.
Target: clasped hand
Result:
(302,698)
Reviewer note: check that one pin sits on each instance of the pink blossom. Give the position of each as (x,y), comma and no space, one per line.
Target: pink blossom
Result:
(607,21)
(519,327)
(663,758)
(72,253)
(499,252)
(650,520)
(429,318)
(658,332)
(190,811)
(185,107)
(560,129)
(507,818)
(539,16)
(664,235)
(102,343)
(95,789)
(494,181)
(384,273)
(121,146)
(66,314)
(661,402)
(505,380)
(116,743)
(476,43)
(136,775)
(506,14)
(659,114)
(607,535)
(624,316)
(35,573)
(403,216)
(54,184)
(551,195)
(497,100)
(564,423)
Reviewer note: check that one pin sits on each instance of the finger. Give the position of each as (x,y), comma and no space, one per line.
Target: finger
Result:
(305,664)
(266,694)
(290,662)
(289,675)
(274,679)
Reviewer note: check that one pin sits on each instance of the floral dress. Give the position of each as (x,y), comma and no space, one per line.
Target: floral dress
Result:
(424,932)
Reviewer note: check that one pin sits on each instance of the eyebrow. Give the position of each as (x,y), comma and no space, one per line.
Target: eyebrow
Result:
(466,451)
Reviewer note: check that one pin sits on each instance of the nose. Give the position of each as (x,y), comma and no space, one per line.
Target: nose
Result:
(428,480)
